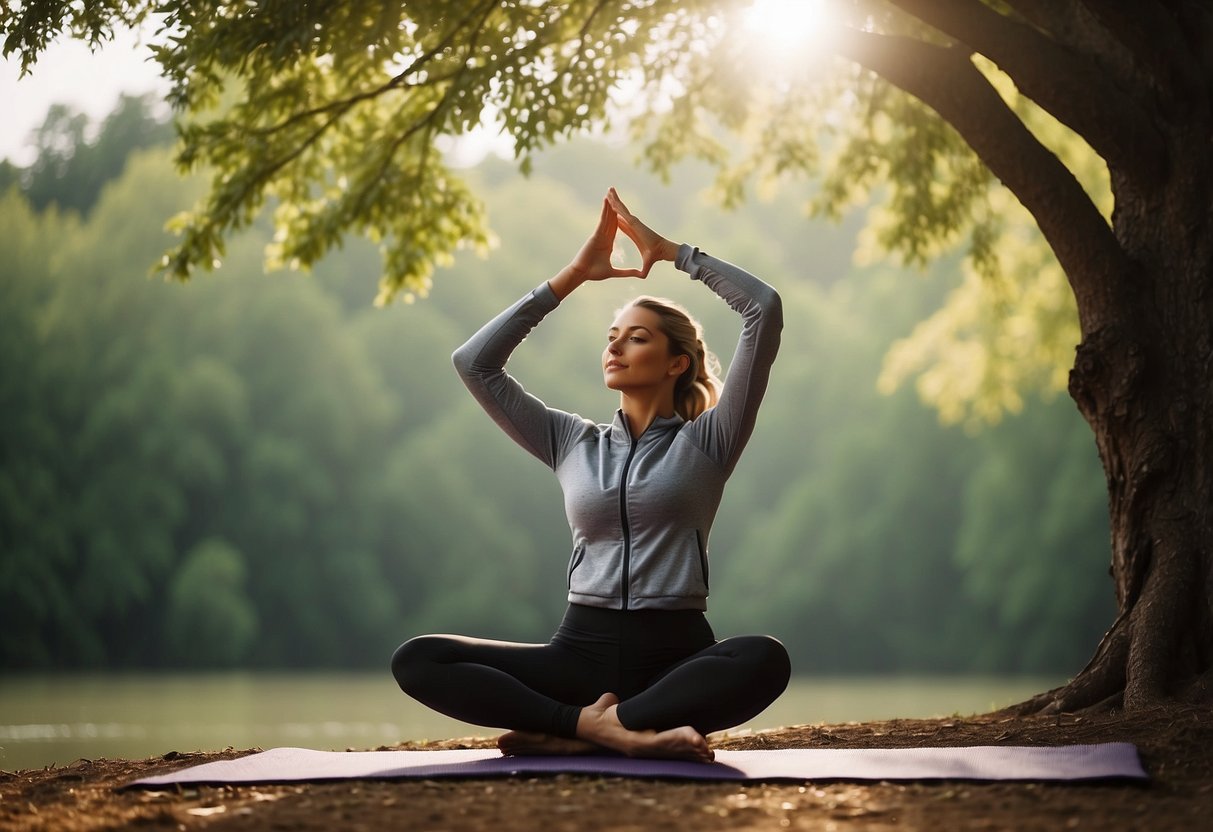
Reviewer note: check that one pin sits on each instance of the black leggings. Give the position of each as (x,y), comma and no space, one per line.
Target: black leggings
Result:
(666,667)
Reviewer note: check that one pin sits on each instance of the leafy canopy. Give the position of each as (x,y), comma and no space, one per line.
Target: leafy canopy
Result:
(338,114)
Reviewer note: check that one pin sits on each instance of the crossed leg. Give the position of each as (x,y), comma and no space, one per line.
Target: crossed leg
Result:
(546,694)
(722,685)
(498,684)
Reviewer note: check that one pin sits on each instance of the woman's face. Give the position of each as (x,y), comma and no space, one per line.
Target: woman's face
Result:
(638,352)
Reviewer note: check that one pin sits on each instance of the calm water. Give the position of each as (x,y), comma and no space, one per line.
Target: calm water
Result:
(58,719)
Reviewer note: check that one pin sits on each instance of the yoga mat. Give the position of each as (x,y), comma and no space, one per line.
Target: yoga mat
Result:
(1070,762)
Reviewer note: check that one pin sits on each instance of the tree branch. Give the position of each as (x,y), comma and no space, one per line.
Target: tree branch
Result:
(1047,15)
(342,105)
(428,121)
(1071,25)
(1126,38)
(1152,35)
(1072,89)
(945,79)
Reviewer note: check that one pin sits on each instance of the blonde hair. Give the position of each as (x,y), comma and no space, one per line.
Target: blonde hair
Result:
(698,388)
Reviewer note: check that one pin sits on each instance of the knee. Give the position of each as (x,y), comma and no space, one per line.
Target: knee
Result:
(769,662)
(409,660)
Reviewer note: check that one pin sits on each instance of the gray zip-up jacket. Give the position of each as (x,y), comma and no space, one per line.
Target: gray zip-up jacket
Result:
(640,510)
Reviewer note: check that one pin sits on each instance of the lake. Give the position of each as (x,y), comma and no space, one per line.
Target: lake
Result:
(47,719)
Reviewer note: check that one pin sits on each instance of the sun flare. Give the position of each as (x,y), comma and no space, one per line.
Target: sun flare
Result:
(787,25)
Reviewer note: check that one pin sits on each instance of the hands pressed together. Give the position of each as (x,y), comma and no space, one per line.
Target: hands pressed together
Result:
(593,261)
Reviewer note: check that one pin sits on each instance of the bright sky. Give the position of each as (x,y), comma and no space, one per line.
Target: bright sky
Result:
(68,73)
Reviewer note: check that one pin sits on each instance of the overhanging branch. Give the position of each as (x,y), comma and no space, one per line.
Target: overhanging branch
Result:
(1130,39)
(1068,23)
(399,80)
(1071,88)
(1152,34)
(945,79)
(1047,15)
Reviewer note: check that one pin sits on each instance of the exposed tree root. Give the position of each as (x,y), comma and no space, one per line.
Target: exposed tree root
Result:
(1199,691)
(1099,686)
(1138,664)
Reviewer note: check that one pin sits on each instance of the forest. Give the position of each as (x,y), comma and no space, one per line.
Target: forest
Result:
(266,470)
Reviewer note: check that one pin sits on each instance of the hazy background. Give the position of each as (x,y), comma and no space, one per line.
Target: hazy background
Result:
(266,471)
(223,504)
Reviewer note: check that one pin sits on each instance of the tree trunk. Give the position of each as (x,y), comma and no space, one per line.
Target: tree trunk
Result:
(1144,382)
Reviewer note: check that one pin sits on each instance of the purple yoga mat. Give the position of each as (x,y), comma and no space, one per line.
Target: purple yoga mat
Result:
(1068,762)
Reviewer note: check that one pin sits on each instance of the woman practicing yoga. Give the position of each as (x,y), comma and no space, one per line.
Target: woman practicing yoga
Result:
(634,666)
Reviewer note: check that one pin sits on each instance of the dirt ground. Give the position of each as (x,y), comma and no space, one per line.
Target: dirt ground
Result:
(1176,746)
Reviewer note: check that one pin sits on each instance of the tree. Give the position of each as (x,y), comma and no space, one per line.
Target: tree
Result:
(337,112)
(210,621)
(71,169)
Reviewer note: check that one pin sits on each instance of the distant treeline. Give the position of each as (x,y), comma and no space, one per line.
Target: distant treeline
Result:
(266,471)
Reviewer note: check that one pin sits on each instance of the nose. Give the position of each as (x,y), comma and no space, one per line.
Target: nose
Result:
(613,346)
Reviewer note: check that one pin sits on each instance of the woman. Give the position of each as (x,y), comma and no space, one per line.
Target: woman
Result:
(634,666)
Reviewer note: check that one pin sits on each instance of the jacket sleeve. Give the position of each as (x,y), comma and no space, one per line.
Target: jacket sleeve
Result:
(722,431)
(543,431)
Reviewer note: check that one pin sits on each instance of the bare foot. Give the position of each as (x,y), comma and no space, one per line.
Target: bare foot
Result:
(529,743)
(599,724)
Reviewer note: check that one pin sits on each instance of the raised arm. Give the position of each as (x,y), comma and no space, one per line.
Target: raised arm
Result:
(539,429)
(723,430)
(543,431)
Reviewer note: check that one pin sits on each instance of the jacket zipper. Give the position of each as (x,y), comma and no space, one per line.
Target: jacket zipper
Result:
(703,557)
(623,516)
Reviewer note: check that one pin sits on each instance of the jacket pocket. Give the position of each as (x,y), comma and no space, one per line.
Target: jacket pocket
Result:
(703,557)
(575,561)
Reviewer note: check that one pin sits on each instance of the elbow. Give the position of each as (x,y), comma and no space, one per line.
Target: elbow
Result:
(463,358)
(764,314)
(772,309)
(770,325)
